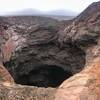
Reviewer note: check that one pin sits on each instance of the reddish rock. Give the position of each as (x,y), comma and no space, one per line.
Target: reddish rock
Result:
(5,75)
(8,49)
(82,86)
(19,92)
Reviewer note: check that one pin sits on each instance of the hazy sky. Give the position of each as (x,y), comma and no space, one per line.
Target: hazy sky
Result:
(44,5)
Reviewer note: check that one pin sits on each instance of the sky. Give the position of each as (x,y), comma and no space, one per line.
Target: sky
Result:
(44,5)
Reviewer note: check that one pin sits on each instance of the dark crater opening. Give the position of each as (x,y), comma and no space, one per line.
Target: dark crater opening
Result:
(44,76)
(46,66)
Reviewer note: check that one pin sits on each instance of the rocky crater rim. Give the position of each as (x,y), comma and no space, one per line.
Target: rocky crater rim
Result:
(40,61)
(48,55)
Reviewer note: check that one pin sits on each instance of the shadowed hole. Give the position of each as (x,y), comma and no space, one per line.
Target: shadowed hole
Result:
(44,76)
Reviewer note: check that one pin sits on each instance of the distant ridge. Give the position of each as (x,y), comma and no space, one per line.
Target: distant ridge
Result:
(30,11)
(62,12)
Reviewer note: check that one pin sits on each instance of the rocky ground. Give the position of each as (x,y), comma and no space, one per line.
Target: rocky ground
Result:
(61,59)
